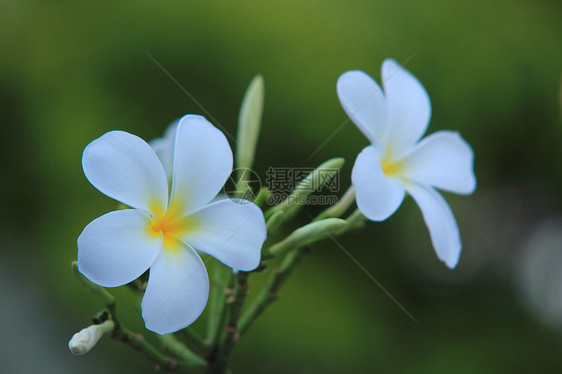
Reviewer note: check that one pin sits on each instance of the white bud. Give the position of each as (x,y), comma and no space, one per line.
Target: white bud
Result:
(84,340)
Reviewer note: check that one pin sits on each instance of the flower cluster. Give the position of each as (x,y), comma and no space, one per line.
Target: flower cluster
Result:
(175,213)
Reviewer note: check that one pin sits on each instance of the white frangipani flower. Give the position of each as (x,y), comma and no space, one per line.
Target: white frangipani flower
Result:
(397,161)
(163,228)
(164,148)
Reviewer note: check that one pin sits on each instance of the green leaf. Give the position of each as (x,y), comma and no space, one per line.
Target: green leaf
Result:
(249,122)
(107,298)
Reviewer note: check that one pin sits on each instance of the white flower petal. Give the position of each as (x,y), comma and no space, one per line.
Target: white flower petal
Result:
(408,104)
(377,195)
(365,104)
(177,290)
(233,231)
(443,160)
(117,247)
(202,163)
(125,168)
(164,148)
(440,221)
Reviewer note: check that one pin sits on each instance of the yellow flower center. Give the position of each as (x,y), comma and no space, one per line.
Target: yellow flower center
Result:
(170,226)
(391,168)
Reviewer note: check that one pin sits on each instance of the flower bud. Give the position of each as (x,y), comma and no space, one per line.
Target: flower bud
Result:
(84,340)
(249,123)
(314,181)
(307,235)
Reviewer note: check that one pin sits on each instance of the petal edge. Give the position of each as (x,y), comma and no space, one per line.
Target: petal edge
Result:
(365,104)
(443,160)
(202,163)
(440,221)
(116,248)
(125,168)
(177,290)
(231,231)
(408,105)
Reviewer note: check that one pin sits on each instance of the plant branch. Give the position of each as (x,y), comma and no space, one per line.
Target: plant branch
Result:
(293,246)
(194,341)
(306,235)
(268,294)
(312,182)
(99,291)
(172,344)
(219,291)
(235,304)
(138,343)
(340,207)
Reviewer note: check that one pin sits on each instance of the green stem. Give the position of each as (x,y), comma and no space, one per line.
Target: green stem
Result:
(293,247)
(171,343)
(262,196)
(356,220)
(99,291)
(218,362)
(340,207)
(194,341)
(138,343)
(269,293)
(273,223)
(305,236)
(314,181)
(218,294)
(235,307)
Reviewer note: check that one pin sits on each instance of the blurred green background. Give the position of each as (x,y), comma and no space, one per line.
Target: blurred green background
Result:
(72,70)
